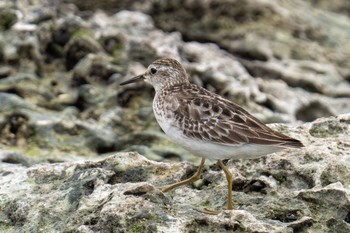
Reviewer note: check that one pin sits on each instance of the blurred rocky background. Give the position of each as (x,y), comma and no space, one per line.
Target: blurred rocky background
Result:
(61,63)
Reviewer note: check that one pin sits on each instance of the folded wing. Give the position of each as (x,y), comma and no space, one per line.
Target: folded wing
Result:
(209,117)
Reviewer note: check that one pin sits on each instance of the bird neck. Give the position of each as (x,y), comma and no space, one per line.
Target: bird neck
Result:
(170,84)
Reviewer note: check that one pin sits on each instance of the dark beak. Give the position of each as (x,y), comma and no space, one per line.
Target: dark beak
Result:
(133,80)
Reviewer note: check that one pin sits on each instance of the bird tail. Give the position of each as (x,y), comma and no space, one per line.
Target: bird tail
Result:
(293,143)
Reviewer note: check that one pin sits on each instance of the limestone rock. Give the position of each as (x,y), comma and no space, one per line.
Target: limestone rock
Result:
(61,105)
(305,190)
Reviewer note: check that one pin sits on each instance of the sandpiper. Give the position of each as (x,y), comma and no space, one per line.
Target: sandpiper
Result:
(205,123)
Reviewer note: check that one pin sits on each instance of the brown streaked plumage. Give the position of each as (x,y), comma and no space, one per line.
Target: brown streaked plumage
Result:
(206,124)
(206,116)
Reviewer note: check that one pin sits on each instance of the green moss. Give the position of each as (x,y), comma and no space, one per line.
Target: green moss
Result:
(148,123)
(327,128)
(154,217)
(203,204)
(7,229)
(118,47)
(80,33)
(137,228)
(280,178)
(7,19)
(31,181)
(32,151)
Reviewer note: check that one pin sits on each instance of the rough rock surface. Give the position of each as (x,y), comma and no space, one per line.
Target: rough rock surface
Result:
(60,68)
(61,63)
(304,190)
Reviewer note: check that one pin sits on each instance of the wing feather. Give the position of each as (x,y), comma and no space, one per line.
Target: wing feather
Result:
(209,117)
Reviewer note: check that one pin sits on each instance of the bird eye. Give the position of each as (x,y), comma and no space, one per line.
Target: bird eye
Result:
(153,70)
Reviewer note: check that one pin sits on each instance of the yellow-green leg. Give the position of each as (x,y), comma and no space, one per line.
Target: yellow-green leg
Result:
(229,185)
(195,177)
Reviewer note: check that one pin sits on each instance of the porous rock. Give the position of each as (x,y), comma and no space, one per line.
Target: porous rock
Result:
(293,190)
(60,99)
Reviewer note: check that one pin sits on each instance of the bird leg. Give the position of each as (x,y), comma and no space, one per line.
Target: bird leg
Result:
(229,185)
(195,177)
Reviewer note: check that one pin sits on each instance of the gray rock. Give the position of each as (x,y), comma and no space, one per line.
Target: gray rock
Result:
(262,49)
(95,69)
(10,101)
(328,81)
(282,61)
(266,76)
(8,18)
(12,157)
(261,30)
(304,190)
(78,47)
(5,71)
(26,126)
(340,6)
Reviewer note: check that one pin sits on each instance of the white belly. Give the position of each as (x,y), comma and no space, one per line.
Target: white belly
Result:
(214,151)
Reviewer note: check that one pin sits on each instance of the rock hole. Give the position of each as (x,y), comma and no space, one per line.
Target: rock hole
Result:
(103,149)
(171,156)
(313,111)
(255,186)
(286,217)
(268,104)
(134,193)
(238,185)
(11,160)
(250,54)
(80,104)
(132,175)
(347,218)
(89,187)
(14,91)
(231,226)
(91,222)
(206,182)
(202,222)
(78,81)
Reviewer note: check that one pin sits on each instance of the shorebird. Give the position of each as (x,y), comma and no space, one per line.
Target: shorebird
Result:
(205,123)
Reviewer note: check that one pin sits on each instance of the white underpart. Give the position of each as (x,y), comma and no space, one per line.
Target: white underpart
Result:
(211,150)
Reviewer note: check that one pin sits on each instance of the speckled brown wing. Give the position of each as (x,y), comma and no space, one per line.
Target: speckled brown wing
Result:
(207,116)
